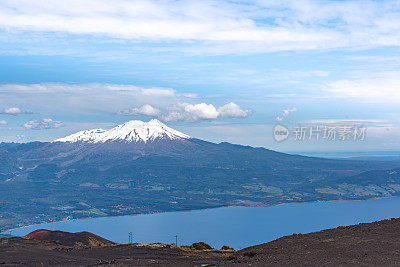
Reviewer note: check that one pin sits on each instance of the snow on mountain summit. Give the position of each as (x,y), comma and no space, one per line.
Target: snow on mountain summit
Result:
(129,132)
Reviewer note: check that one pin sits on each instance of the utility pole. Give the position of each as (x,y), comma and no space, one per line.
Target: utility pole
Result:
(176,240)
(130,237)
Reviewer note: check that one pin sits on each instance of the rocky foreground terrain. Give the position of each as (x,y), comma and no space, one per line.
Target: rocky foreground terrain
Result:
(57,248)
(369,244)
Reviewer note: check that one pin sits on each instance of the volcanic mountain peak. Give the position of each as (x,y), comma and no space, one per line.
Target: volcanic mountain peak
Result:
(129,132)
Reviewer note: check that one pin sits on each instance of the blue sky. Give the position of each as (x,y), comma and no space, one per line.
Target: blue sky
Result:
(216,70)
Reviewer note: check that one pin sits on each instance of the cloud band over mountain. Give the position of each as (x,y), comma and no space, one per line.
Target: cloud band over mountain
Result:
(190,112)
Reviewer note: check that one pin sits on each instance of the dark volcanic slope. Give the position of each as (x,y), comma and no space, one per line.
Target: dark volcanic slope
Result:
(69,239)
(370,244)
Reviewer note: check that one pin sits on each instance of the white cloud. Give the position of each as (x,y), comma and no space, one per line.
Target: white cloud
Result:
(83,98)
(155,20)
(248,26)
(91,98)
(347,121)
(203,111)
(3,122)
(190,112)
(86,97)
(42,124)
(85,87)
(190,95)
(158,92)
(232,110)
(370,87)
(286,113)
(146,110)
(14,111)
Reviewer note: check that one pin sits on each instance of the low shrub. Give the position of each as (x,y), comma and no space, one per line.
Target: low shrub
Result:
(226,248)
(200,246)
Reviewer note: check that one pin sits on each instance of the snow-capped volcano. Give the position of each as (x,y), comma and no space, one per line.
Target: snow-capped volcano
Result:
(129,132)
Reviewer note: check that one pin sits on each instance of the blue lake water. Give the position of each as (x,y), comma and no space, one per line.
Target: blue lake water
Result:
(237,227)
